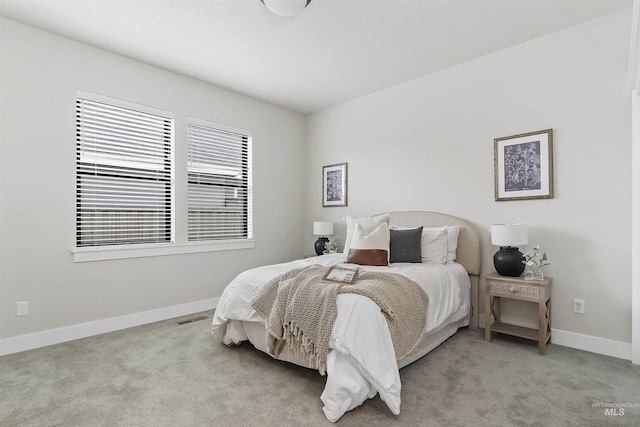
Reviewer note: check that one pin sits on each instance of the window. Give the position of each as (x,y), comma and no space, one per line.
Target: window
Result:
(219,182)
(126,188)
(124,174)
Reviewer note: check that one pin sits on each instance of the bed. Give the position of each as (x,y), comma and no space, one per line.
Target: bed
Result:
(361,361)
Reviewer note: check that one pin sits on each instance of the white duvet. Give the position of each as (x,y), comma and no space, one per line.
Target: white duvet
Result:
(362,361)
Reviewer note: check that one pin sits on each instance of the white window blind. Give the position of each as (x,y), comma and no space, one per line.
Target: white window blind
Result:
(219,182)
(124,174)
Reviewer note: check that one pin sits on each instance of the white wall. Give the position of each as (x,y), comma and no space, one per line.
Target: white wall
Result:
(40,74)
(428,145)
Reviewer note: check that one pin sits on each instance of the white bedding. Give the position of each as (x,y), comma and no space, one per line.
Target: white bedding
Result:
(362,361)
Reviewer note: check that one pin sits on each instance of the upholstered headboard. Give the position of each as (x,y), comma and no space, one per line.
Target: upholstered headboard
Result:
(469,250)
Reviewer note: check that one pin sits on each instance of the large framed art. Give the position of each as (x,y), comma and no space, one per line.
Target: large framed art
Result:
(334,185)
(523,166)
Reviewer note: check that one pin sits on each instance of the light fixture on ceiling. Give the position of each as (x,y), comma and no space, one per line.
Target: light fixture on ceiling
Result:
(286,7)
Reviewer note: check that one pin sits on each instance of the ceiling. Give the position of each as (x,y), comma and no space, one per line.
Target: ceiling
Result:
(333,52)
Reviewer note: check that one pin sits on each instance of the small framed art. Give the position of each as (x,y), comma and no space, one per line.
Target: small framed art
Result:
(334,185)
(523,166)
(341,274)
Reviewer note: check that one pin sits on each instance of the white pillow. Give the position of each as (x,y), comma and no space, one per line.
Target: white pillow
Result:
(453,231)
(435,243)
(434,246)
(369,247)
(368,223)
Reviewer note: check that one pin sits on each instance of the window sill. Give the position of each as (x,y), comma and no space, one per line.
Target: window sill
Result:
(139,251)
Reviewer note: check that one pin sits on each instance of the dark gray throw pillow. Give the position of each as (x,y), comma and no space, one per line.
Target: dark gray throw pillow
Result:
(405,245)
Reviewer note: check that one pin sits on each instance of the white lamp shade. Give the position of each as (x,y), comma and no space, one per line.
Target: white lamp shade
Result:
(509,234)
(286,7)
(323,228)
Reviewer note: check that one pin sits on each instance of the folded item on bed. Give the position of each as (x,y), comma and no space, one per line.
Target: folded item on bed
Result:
(403,302)
(300,310)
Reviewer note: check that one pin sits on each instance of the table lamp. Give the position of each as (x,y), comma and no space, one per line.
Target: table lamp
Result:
(508,260)
(322,229)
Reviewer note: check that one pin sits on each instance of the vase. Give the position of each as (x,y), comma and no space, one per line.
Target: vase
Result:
(320,245)
(532,271)
(508,261)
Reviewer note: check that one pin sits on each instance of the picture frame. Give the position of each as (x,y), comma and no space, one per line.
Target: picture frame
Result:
(334,185)
(523,166)
(341,274)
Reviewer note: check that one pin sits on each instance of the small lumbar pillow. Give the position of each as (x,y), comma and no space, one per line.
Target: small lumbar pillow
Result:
(368,223)
(405,245)
(369,247)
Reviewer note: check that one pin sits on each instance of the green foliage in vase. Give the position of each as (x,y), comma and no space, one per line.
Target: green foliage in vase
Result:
(534,256)
(330,247)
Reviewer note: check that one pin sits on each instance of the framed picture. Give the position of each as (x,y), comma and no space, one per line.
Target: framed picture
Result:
(334,185)
(341,274)
(523,166)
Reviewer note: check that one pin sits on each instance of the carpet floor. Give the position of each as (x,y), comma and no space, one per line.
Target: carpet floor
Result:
(166,374)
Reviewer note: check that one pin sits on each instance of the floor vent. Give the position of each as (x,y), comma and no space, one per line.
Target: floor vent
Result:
(193,319)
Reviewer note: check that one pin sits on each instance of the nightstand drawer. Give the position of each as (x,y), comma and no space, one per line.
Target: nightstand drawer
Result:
(499,288)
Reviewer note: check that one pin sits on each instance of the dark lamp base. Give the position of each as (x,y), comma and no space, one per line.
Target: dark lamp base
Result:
(319,246)
(508,261)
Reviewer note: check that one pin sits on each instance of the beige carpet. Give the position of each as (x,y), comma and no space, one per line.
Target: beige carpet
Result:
(165,374)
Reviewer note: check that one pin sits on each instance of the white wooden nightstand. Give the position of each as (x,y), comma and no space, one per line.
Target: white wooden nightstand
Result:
(537,291)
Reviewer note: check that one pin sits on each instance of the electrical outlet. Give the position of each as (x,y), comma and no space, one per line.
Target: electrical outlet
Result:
(22,308)
(578,306)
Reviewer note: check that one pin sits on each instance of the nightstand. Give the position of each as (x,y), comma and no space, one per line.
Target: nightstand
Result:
(537,291)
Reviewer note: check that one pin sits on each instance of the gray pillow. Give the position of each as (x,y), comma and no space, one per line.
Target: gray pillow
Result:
(405,245)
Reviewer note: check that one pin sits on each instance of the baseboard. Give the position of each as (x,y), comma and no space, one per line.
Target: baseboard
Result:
(70,333)
(621,350)
(17,344)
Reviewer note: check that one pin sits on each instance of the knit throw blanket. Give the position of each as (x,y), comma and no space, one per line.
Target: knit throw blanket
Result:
(300,310)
